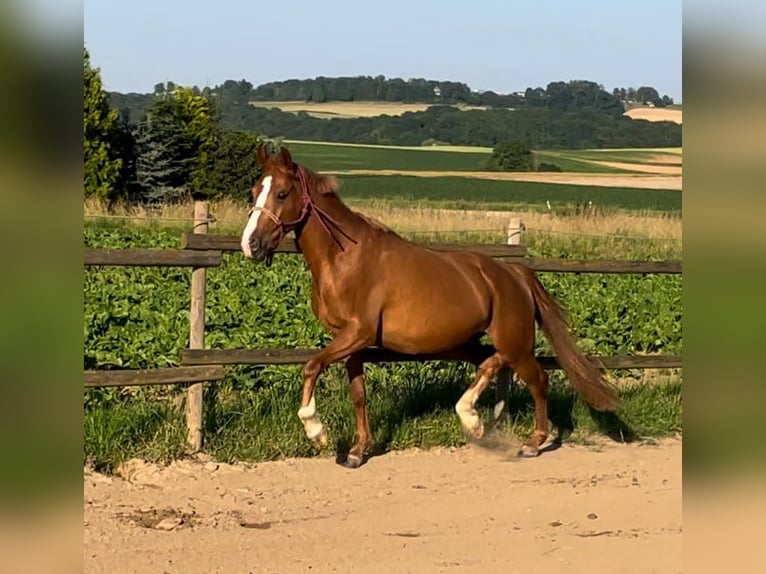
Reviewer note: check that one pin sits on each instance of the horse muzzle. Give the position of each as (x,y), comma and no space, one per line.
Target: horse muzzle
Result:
(260,251)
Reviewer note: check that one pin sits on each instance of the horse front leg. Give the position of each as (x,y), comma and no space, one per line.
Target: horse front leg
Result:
(347,342)
(355,370)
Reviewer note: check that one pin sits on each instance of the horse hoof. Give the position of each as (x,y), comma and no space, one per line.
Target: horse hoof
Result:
(352,461)
(528,451)
(321,439)
(477,430)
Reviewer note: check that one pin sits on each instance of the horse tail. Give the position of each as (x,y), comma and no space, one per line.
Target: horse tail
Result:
(586,376)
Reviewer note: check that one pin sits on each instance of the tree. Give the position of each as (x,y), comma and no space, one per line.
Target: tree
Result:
(196,113)
(234,165)
(175,144)
(124,145)
(511,156)
(101,163)
(645,94)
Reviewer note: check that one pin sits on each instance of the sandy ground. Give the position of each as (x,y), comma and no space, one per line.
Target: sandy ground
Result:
(642,181)
(611,508)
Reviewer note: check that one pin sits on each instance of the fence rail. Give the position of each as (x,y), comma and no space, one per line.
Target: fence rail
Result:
(193,241)
(602,266)
(158,376)
(200,251)
(152,257)
(374,355)
(205,251)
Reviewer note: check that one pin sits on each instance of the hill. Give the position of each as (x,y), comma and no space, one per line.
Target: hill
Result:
(566,115)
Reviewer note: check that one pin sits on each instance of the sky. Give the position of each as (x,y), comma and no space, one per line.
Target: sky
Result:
(504,46)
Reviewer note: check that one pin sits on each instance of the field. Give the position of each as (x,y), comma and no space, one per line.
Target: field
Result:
(490,194)
(378,108)
(323,156)
(350,109)
(670,114)
(658,169)
(331,156)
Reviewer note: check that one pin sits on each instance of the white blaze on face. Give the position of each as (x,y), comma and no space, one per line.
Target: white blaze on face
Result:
(252,223)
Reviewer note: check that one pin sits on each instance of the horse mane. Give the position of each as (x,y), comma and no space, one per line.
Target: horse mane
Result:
(327,185)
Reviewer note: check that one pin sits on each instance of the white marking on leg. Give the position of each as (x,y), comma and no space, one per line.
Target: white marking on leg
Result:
(311,423)
(466,410)
(252,223)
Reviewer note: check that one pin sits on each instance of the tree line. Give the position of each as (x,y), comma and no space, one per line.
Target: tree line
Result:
(568,115)
(176,147)
(420,90)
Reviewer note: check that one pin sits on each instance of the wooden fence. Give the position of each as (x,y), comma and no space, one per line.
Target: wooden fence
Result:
(199,365)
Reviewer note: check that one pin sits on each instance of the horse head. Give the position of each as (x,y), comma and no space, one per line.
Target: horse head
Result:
(281,195)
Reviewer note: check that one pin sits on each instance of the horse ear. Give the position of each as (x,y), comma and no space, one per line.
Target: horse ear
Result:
(262,154)
(285,157)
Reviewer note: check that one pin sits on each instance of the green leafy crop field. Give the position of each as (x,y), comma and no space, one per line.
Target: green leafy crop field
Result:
(138,318)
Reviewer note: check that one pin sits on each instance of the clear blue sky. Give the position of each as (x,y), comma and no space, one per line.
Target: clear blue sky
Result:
(495,45)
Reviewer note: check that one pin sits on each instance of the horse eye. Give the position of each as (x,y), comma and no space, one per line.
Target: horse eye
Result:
(282,195)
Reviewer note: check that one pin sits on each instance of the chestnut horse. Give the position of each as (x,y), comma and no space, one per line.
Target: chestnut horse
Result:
(372,288)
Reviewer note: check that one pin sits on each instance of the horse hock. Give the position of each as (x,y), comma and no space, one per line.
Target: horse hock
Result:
(312,425)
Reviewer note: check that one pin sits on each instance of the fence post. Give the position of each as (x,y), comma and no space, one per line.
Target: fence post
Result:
(515,228)
(196,335)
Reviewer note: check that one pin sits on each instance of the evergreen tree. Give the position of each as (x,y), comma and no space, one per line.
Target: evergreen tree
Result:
(161,169)
(176,143)
(101,163)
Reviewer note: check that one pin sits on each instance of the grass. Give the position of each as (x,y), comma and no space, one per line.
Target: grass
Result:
(324,157)
(327,156)
(590,232)
(405,412)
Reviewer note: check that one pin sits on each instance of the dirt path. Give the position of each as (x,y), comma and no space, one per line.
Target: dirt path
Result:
(577,509)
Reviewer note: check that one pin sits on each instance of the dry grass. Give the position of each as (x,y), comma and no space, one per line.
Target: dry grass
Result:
(417,219)
(231,215)
(351,109)
(655,114)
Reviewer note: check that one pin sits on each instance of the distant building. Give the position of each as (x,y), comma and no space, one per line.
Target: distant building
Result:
(437,91)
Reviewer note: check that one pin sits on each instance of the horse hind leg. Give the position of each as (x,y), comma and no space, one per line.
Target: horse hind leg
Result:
(536,378)
(466,406)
